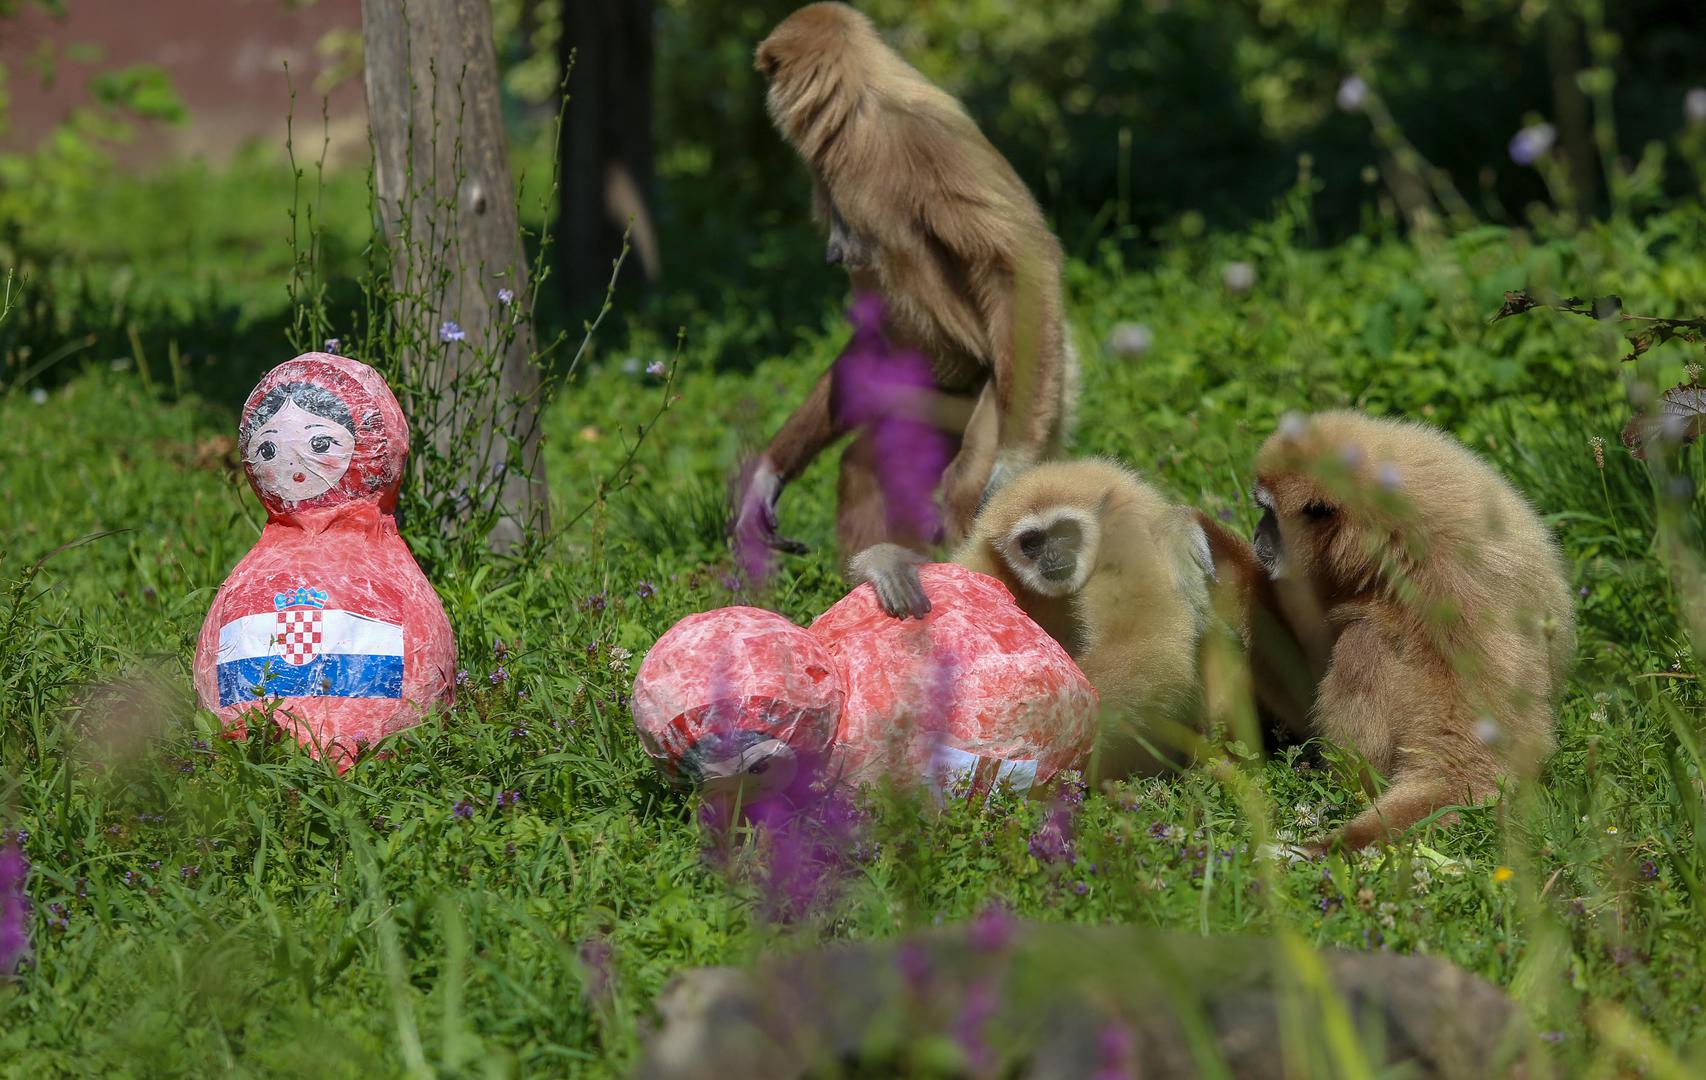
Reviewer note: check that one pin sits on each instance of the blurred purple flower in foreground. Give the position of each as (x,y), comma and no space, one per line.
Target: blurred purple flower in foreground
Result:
(506,297)
(979,1008)
(1531,143)
(14,908)
(1353,93)
(886,391)
(1116,1053)
(1694,105)
(656,369)
(991,930)
(451,332)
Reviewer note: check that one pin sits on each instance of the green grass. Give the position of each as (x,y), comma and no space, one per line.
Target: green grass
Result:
(207,906)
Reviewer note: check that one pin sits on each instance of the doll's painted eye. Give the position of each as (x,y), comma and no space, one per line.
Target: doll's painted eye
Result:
(321,443)
(267,451)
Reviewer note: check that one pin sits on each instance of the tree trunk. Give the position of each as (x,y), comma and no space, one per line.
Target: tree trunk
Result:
(448,207)
(606,149)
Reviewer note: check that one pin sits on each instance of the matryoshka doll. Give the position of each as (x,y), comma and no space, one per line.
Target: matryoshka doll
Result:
(327,622)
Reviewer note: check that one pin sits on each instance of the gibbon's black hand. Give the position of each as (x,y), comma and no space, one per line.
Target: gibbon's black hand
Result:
(756,519)
(893,572)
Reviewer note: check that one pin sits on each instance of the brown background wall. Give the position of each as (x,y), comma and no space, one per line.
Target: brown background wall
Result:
(226,59)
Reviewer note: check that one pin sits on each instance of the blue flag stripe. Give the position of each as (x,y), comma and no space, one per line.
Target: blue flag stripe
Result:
(330,675)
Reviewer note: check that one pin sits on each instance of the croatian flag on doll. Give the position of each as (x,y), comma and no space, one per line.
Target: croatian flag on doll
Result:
(327,625)
(303,648)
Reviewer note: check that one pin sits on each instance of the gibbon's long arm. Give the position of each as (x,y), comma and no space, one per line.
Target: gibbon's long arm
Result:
(803,436)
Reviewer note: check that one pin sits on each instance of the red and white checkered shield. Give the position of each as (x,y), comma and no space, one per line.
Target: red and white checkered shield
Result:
(299,634)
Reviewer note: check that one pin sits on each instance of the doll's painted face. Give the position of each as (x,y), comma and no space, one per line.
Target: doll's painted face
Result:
(296,455)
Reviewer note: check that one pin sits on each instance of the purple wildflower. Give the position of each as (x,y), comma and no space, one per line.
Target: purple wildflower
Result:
(462,677)
(730,582)
(508,798)
(645,590)
(596,602)
(332,345)
(58,918)
(656,369)
(888,393)
(968,1030)
(1531,143)
(499,650)
(1080,888)
(506,297)
(14,909)
(1052,840)
(451,332)
(1649,869)
(185,873)
(1552,1036)
(464,810)
(498,676)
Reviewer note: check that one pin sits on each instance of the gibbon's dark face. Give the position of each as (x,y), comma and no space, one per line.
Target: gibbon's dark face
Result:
(1054,551)
(1290,542)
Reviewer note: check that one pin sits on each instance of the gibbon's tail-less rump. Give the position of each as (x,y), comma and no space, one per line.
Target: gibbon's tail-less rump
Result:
(922,209)
(1432,600)
(1111,570)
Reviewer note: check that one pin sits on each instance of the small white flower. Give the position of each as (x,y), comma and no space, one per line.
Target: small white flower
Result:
(655,369)
(1611,830)
(39,396)
(1487,730)
(1238,277)
(1353,93)
(1388,477)
(1291,425)
(1694,105)
(506,296)
(1130,339)
(1351,454)
(1531,143)
(630,365)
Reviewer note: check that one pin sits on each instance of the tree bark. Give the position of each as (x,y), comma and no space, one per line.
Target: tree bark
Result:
(606,149)
(447,202)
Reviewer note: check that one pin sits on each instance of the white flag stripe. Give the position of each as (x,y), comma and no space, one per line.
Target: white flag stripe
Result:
(342,632)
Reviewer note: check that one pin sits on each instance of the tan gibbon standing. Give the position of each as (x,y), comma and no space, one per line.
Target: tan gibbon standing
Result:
(1428,599)
(920,208)
(1112,571)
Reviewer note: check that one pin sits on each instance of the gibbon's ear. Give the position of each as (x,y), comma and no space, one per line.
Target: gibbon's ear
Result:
(1105,504)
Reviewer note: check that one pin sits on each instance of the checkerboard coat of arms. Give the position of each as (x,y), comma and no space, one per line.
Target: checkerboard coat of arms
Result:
(300,629)
(327,626)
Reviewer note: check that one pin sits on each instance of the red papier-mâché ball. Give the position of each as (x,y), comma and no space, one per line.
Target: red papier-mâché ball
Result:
(736,698)
(974,693)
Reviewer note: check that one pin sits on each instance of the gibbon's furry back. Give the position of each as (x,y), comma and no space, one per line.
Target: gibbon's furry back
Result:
(1432,599)
(964,256)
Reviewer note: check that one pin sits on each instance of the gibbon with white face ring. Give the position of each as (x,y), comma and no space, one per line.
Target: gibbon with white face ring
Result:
(1431,601)
(1110,569)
